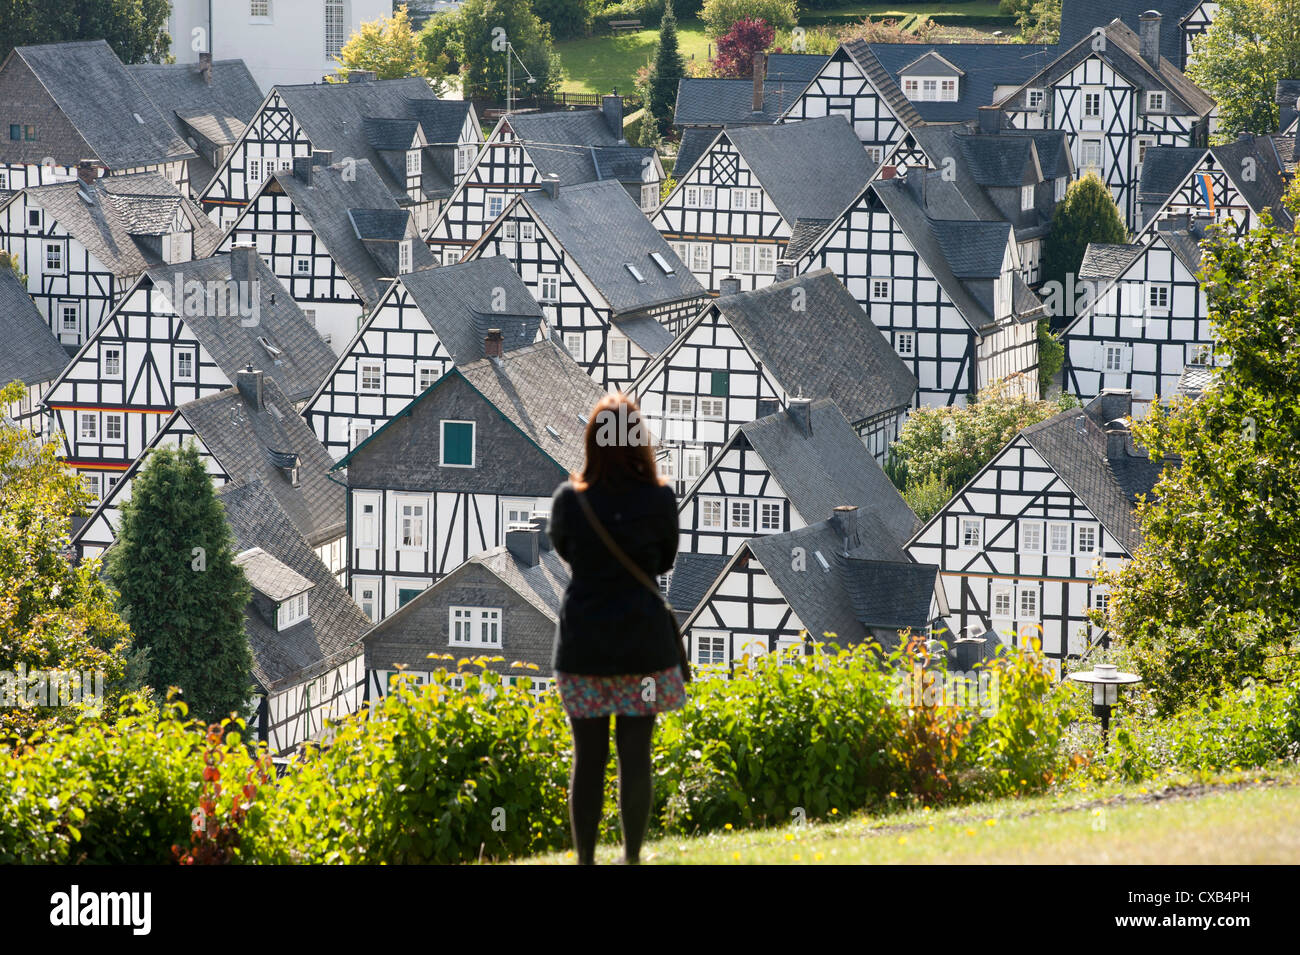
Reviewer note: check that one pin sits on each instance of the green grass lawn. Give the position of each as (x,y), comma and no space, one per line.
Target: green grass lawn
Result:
(1242,818)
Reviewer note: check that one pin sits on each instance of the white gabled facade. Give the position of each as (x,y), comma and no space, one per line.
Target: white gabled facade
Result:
(271,141)
(736,498)
(843,88)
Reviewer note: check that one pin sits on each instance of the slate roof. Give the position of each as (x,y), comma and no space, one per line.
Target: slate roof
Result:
(304,358)
(827,468)
(353,214)
(270,577)
(29,352)
(693,575)
(1080,17)
(245,442)
(542,390)
(602,230)
(1165,168)
(803,235)
(1106,262)
(343,118)
(810,170)
(863,55)
(1264,189)
(441,119)
(1194,380)
(578,146)
(647,331)
(127,214)
(715,102)
(696,141)
(101,99)
(217,112)
(974,250)
(1073,444)
(889,593)
(457,301)
(983,66)
(838,354)
(331,633)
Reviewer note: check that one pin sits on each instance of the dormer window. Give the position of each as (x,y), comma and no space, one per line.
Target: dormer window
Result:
(1026,198)
(1155,101)
(290,612)
(413,162)
(930,88)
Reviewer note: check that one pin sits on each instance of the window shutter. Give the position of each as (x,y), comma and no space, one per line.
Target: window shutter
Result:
(458,441)
(720,385)
(1128,358)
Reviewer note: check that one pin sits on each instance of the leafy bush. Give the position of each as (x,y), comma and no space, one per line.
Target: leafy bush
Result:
(720,16)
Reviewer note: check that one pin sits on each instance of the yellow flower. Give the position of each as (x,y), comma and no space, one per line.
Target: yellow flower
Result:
(834,811)
(727,826)
(735,855)
(893,795)
(970,832)
(817,857)
(789,837)
(902,839)
(797,857)
(931,828)
(990,822)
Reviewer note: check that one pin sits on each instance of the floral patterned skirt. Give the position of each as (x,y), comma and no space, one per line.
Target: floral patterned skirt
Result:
(633,694)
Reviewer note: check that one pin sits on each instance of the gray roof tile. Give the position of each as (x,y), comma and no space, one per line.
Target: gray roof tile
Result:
(983,67)
(29,352)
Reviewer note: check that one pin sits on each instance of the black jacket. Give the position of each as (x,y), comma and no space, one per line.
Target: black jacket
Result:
(610,624)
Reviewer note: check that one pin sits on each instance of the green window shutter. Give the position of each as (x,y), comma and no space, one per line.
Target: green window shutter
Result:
(457,443)
(721,384)
(15,131)
(406,594)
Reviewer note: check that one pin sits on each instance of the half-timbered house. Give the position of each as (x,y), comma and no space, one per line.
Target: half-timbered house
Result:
(757,190)
(208,104)
(334,237)
(1019,545)
(577,146)
(503,603)
(1194,24)
(707,104)
(841,581)
(244,434)
(303,628)
(183,331)
(417,143)
(1115,95)
(746,355)
(63,104)
(424,324)
(886,89)
(29,353)
(1147,318)
(1081,18)
(482,449)
(83,244)
(1233,183)
(609,285)
(939,273)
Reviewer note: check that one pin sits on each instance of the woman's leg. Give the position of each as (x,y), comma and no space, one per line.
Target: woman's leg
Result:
(587,784)
(632,735)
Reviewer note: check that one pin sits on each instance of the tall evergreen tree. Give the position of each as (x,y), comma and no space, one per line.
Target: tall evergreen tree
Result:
(670,67)
(182,593)
(1086,214)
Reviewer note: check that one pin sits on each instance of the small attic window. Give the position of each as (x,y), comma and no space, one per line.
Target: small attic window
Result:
(636,274)
(291,611)
(821,560)
(138,118)
(660,261)
(272,350)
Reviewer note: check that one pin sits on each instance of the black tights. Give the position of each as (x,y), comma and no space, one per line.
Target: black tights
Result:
(587,783)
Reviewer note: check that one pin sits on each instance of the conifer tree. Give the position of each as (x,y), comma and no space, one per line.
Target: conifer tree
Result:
(1086,214)
(670,67)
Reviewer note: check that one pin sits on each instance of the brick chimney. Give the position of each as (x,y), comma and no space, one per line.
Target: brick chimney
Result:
(990,119)
(784,271)
(525,545)
(611,104)
(729,286)
(249,383)
(205,67)
(844,519)
(760,72)
(1149,37)
(87,171)
(800,412)
(888,172)
(322,157)
(493,345)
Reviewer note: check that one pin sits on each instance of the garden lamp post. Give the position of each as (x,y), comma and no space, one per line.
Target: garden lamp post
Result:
(1105,680)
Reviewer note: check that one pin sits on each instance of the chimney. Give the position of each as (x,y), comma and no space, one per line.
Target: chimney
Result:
(242,262)
(1179,222)
(729,286)
(611,104)
(760,72)
(302,168)
(1245,137)
(249,383)
(362,76)
(1149,37)
(784,271)
(205,67)
(768,406)
(493,344)
(800,412)
(525,545)
(888,172)
(990,119)
(551,186)
(1116,440)
(322,157)
(845,521)
(86,171)
(541,523)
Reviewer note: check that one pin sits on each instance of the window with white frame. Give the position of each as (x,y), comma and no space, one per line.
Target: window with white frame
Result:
(1092,153)
(255,170)
(681,249)
(410,528)
(1031,537)
(714,408)
(972,533)
(765,259)
(425,376)
(769,516)
(361,431)
(710,514)
(185,366)
(54,257)
(1155,101)
(70,317)
(742,257)
(1143,144)
(113,428)
(1085,538)
(1001,609)
(1026,197)
(875,153)
(1101,600)
(1113,358)
(649,196)
(413,162)
(371,376)
(474,626)
(710,647)
(91,483)
(88,426)
(700,256)
(259,9)
(1092,103)
(741,516)
(905,343)
(573,344)
(679,407)
(302,265)
(291,611)
(404,255)
(618,349)
(365,596)
(113,361)
(527,232)
(1200,354)
(882,290)
(1058,538)
(495,205)
(464,158)
(1158,297)
(367,515)
(33,218)
(707,197)
(692,463)
(509,231)
(1035,98)
(549,287)
(1028,603)
(1062,184)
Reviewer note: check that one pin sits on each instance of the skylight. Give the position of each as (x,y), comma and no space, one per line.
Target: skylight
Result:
(266,343)
(635,273)
(552,432)
(138,118)
(662,263)
(821,560)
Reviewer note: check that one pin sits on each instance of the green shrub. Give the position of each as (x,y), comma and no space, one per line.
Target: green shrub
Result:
(720,15)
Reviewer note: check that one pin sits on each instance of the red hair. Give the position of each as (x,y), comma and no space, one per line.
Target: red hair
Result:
(618,445)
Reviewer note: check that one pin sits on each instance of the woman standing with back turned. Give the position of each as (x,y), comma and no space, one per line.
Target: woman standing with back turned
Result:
(617,652)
